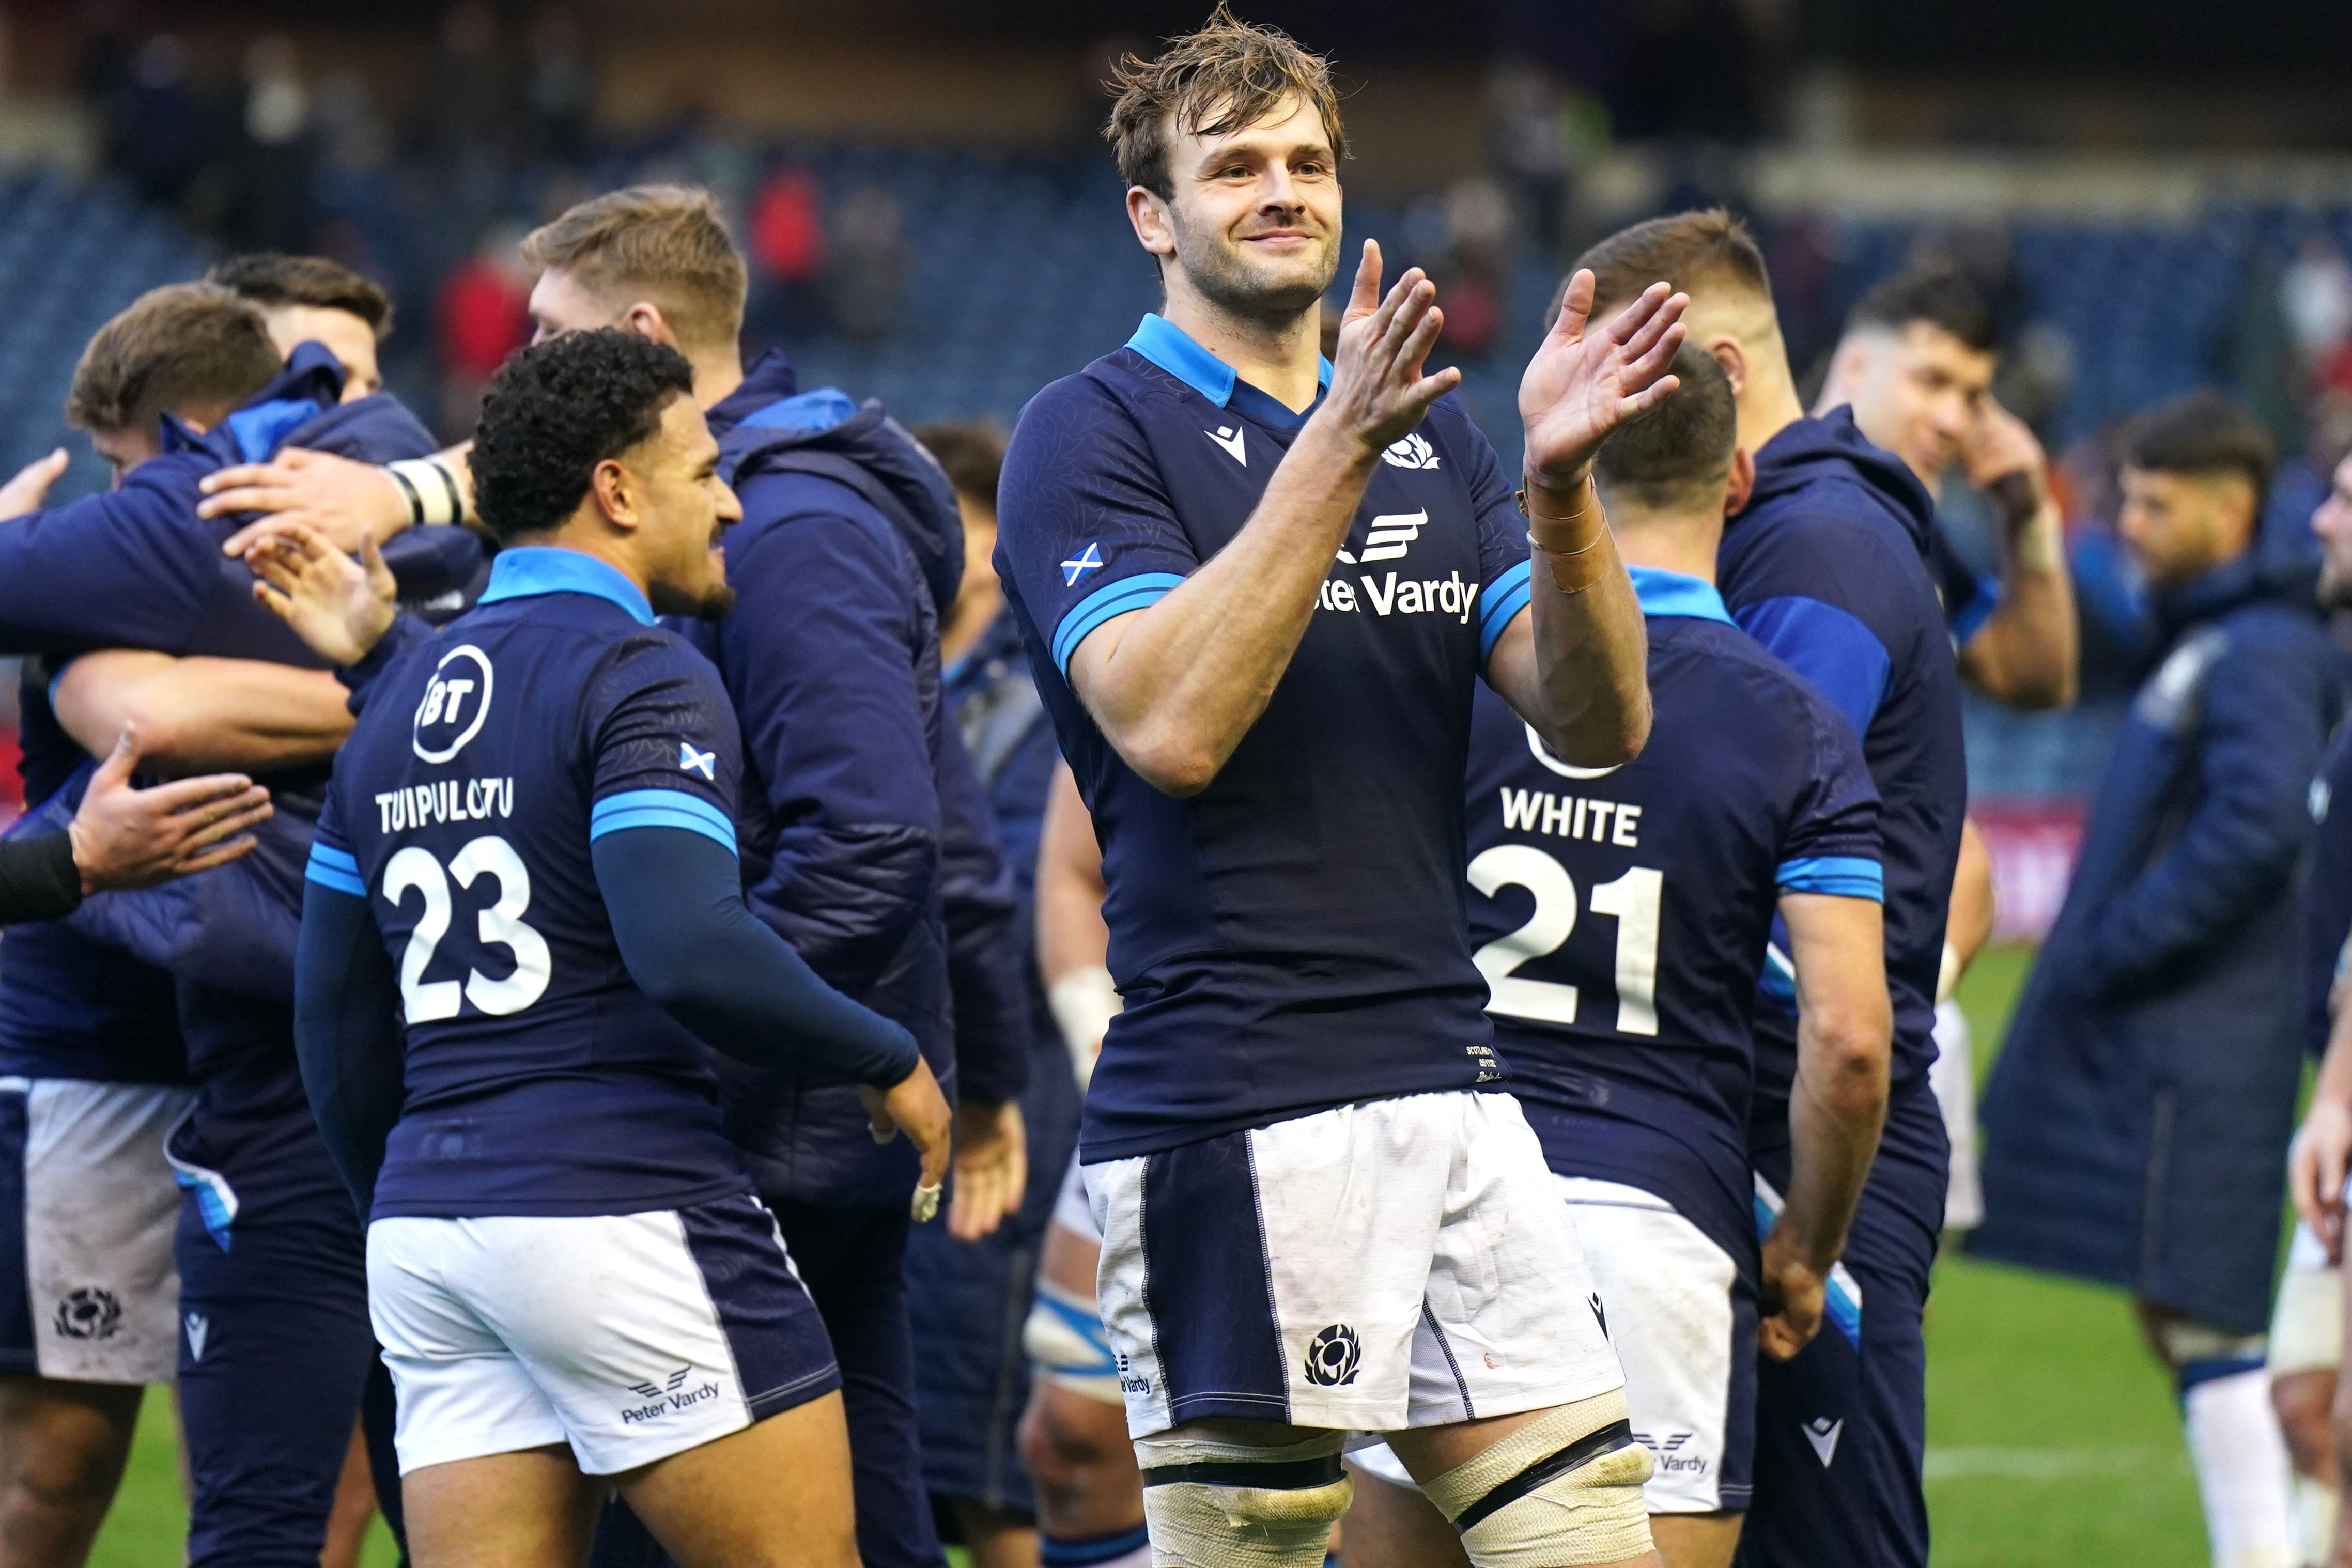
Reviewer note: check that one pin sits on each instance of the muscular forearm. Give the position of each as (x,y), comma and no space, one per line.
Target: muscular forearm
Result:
(1844,1033)
(2027,652)
(203,715)
(1591,656)
(1175,687)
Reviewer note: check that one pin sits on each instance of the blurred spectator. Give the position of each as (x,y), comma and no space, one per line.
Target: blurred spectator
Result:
(351,136)
(2140,1109)
(1525,131)
(155,132)
(559,87)
(1474,277)
(2316,296)
(266,199)
(869,263)
(464,107)
(482,314)
(788,253)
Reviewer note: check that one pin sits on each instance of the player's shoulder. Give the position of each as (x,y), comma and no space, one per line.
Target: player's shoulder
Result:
(1745,688)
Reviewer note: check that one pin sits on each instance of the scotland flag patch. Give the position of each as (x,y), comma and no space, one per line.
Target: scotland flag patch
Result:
(692,761)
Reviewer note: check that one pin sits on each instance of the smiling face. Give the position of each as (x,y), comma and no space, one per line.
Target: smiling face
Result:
(681,508)
(1918,393)
(1253,225)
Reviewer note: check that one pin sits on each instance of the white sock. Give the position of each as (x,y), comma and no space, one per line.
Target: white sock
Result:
(2314,1520)
(2241,1467)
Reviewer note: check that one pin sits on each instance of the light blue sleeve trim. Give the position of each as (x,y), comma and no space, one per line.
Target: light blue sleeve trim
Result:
(1970,618)
(1506,597)
(1843,876)
(1105,603)
(57,675)
(660,808)
(1829,646)
(333,868)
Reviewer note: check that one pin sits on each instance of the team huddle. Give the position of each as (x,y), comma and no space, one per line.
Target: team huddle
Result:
(633,954)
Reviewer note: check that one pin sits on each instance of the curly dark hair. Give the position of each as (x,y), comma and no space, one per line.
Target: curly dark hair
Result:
(557,409)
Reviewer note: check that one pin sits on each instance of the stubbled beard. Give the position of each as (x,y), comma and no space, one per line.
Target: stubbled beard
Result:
(1219,274)
(668,599)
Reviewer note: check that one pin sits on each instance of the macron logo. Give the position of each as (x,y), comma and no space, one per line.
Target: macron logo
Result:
(1230,437)
(692,761)
(1823,1435)
(1077,566)
(199,1326)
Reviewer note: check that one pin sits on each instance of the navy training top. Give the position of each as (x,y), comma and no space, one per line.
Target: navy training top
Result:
(1826,568)
(1290,938)
(1622,913)
(2327,889)
(539,1079)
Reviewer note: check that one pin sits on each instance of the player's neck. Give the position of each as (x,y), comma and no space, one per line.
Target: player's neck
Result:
(1281,357)
(716,375)
(1668,541)
(1769,403)
(585,533)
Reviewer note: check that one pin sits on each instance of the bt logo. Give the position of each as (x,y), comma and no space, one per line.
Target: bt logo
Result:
(456,702)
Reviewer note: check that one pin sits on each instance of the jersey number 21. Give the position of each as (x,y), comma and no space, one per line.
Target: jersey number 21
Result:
(1633,899)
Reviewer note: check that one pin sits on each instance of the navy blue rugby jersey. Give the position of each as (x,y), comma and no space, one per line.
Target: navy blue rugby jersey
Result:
(1621,914)
(2327,889)
(1289,939)
(540,1080)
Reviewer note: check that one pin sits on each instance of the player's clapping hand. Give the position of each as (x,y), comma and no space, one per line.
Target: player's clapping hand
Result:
(1378,393)
(2317,1165)
(124,837)
(29,486)
(991,1168)
(1789,1303)
(344,500)
(1585,382)
(341,606)
(915,1106)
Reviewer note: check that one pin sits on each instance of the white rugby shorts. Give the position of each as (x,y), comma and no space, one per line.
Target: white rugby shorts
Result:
(1683,1326)
(1396,1263)
(88,1203)
(631,1336)
(2308,1324)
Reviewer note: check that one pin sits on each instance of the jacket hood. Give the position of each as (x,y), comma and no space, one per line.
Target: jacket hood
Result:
(764,426)
(1797,456)
(2251,578)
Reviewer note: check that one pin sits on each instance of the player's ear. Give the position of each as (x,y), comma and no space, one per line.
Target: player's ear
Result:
(646,320)
(1741,483)
(1732,355)
(1148,214)
(614,489)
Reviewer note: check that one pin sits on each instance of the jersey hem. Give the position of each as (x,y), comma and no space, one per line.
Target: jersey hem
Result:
(1131,1145)
(556,1207)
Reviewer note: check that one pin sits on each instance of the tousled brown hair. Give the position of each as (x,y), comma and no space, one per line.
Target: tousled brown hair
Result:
(665,244)
(1208,83)
(1685,249)
(194,349)
(272,277)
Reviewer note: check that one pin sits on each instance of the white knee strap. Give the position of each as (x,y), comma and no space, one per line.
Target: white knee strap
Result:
(1231,1505)
(1064,1336)
(1562,1491)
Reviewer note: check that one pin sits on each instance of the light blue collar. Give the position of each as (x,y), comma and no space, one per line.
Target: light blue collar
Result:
(1167,345)
(1670,593)
(532,569)
(807,414)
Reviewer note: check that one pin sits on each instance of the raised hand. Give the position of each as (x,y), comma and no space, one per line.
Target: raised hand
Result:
(124,837)
(30,486)
(2000,453)
(344,500)
(341,606)
(1582,385)
(1378,393)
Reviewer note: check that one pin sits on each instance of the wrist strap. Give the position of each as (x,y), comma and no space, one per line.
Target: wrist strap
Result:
(431,490)
(1574,571)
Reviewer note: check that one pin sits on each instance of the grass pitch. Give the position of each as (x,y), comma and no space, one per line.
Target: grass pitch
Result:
(2052,1438)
